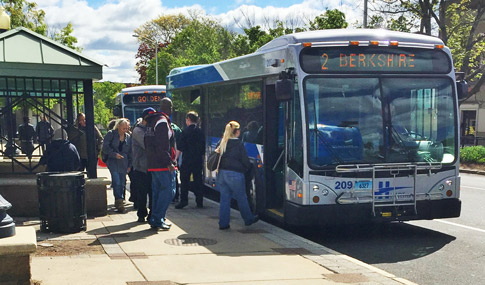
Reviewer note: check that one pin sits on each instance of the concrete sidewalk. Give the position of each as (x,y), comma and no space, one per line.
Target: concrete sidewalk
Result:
(195,251)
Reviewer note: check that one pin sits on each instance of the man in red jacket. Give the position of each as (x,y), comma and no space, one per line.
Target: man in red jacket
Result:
(160,150)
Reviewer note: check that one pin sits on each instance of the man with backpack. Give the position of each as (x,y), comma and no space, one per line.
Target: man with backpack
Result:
(160,151)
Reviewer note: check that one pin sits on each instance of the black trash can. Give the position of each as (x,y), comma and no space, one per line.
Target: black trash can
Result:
(62,201)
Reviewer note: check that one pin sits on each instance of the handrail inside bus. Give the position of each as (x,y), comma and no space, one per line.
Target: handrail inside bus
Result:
(279,160)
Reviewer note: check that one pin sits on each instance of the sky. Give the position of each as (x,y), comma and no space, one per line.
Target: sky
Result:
(104,28)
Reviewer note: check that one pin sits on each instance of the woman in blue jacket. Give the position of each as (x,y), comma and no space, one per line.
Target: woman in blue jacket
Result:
(118,148)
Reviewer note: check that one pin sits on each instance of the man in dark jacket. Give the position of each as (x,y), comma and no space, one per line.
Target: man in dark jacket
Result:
(61,155)
(160,151)
(44,132)
(192,146)
(27,137)
(142,179)
(77,136)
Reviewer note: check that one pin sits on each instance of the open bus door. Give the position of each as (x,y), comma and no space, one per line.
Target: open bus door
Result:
(274,153)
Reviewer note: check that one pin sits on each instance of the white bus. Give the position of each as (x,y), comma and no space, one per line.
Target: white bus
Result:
(131,101)
(343,126)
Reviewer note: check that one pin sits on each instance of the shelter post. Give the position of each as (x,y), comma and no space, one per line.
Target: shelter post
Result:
(90,136)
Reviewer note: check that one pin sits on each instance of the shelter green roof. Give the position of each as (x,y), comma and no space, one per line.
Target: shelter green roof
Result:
(24,53)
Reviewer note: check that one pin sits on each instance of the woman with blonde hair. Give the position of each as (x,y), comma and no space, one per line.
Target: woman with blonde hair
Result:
(230,179)
(117,147)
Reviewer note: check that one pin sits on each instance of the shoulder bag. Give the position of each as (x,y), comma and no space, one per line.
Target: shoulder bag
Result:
(213,161)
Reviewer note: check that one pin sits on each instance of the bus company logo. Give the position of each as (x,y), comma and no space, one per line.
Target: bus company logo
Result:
(385,189)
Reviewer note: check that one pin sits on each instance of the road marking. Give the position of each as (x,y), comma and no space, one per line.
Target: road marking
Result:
(463,226)
(471,187)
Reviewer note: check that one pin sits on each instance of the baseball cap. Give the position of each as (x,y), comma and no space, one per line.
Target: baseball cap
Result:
(147,111)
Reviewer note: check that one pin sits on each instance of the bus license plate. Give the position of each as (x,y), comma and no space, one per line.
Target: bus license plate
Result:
(363,185)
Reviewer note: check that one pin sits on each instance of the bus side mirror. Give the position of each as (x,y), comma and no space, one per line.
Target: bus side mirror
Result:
(462,90)
(117,111)
(284,90)
(284,87)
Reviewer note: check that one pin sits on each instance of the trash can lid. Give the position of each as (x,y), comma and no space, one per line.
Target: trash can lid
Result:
(4,204)
(61,174)
(72,173)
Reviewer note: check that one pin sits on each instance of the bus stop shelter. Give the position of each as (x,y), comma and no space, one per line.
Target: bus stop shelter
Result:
(42,78)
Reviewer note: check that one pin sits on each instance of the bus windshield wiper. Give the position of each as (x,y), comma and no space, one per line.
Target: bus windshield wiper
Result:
(328,147)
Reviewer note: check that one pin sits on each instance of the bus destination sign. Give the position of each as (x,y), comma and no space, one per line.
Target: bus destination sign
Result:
(373,60)
(142,98)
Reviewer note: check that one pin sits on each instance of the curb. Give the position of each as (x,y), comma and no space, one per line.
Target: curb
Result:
(472,171)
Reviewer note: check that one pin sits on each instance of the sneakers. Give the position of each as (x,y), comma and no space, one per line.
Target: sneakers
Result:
(163,227)
(181,205)
(141,220)
(225,227)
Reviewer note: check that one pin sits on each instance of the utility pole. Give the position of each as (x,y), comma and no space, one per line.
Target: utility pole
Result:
(365,14)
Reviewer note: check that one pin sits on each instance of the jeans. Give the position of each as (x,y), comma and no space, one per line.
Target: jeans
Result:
(118,181)
(163,191)
(230,184)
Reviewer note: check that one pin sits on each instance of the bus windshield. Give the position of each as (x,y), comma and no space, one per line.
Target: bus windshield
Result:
(379,120)
(134,112)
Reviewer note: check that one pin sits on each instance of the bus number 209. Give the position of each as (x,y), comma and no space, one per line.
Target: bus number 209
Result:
(343,185)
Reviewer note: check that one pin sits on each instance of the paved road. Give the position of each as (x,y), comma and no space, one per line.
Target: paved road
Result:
(449,251)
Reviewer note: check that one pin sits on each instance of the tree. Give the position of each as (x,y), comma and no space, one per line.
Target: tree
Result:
(104,100)
(65,37)
(145,54)
(456,23)
(255,37)
(465,41)
(203,41)
(25,14)
(407,15)
(331,19)
(159,31)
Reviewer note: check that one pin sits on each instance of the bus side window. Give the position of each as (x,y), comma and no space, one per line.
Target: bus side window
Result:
(295,147)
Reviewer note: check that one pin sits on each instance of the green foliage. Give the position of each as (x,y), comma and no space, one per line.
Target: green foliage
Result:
(104,100)
(161,31)
(255,37)
(401,24)
(65,37)
(331,19)
(459,24)
(203,41)
(25,14)
(466,43)
(473,154)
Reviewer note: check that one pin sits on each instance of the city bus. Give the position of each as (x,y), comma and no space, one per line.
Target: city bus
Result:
(342,126)
(131,101)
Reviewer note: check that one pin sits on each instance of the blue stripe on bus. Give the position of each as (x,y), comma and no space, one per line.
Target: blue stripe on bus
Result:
(207,74)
